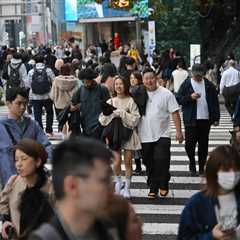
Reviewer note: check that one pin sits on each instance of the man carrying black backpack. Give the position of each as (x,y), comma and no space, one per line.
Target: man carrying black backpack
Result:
(15,74)
(40,82)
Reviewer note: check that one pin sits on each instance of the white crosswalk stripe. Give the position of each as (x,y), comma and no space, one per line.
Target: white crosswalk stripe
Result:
(161,216)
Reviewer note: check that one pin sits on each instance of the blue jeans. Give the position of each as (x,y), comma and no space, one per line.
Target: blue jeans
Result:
(38,107)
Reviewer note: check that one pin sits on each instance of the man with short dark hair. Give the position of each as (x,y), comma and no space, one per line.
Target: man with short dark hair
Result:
(15,127)
(200,106)
(156,105)
(82,185)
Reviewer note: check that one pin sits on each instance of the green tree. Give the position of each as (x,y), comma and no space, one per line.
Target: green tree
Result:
(220,27)
(213,23)
(176,25)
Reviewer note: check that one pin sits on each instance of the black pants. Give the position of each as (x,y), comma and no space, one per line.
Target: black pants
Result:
(197,134)
(37,108)
(156,158)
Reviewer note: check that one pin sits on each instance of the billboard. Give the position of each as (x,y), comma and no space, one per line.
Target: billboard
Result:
(86,9)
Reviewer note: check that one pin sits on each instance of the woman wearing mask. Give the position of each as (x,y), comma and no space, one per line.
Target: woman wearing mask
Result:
(25,200)
(214,213)
(127,111)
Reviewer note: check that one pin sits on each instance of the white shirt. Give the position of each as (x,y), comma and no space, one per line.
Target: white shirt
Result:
(156,122)
(227,212)
(179,75)
(202,107)
(230,77)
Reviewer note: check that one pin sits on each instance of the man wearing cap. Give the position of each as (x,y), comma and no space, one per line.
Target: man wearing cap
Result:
(88,99)
(200,107)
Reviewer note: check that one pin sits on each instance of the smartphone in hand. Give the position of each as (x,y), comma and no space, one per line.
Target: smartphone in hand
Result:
(199,95)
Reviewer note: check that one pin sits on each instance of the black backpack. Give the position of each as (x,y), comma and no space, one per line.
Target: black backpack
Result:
(14,76)
(40,82)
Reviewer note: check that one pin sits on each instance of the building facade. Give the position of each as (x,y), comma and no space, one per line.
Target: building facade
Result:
(28,22)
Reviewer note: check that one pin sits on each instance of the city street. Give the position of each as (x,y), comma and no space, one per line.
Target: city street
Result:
(161,216)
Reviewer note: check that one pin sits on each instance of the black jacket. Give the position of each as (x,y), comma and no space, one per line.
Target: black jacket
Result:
(140,97)
(73,119)
(189,106)
(116,134)
(90,107)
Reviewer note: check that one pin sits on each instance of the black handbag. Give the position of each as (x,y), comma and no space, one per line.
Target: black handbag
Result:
(107,109)
(116,134)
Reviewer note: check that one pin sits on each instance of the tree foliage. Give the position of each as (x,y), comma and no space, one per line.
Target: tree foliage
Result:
(176,26)
(215,24)
(220,27)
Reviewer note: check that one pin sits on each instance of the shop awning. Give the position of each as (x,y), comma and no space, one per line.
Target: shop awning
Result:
(110,19)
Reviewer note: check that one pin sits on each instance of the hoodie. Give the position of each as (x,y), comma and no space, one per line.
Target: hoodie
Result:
(62,90)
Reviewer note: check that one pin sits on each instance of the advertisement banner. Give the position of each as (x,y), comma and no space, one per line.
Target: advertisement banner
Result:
(195,53)
(87,9)
(151,39)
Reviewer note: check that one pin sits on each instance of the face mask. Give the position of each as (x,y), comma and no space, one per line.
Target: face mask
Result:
(228,180)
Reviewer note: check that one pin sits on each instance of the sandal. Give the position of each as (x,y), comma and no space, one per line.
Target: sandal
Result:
(163,192)
(152,195)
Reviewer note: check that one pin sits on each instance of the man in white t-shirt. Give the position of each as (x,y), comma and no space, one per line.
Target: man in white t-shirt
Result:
(200,107)
(154,132)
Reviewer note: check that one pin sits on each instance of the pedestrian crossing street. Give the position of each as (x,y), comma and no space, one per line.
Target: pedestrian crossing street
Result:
(161,216)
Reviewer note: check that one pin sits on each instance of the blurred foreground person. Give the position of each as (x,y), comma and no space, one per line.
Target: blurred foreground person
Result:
(214,213)
(15,127)
(25,200)
(122,215)
(82,187)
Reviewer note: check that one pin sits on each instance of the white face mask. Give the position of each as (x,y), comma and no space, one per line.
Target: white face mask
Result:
(228,180)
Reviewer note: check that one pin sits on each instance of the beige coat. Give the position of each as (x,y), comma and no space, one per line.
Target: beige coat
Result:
(11,195)
(62,90)
(130,116)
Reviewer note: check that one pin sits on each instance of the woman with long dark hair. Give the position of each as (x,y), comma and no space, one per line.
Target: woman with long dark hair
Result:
(127,111)
(25,202)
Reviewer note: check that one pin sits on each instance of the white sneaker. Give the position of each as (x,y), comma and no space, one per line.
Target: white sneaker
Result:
(126,193)
(118,186)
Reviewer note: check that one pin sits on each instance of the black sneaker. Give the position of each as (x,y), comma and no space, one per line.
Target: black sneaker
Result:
(137,171)
(193,171)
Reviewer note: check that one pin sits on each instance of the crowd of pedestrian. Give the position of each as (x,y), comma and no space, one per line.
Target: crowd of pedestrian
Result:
(108,114)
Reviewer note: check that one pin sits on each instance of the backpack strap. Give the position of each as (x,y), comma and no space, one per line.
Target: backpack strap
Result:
(47,231)
(14,142)
(17,68)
